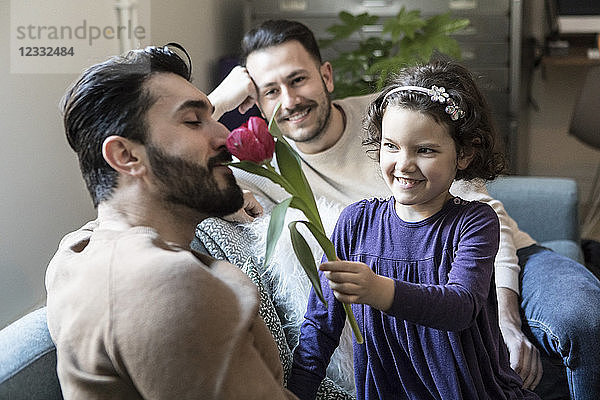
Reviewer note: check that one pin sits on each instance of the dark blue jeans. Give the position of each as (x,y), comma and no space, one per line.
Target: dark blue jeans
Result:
(560,310)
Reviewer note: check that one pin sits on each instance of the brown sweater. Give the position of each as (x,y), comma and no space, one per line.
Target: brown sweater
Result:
(134,317)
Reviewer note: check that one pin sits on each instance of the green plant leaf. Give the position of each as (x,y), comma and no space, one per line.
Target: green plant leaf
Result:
(290,167)
(349,25)
(256,169)
(449,47)
(275,228)
(291,173)
(445,24)
(408,39)
(323,240)
(309,213)
(306,259)
(329,250)
(273,127)
(405,23)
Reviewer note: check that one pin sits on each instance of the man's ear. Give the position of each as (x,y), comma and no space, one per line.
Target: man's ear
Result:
(124,156)
(327,74)
(464,158)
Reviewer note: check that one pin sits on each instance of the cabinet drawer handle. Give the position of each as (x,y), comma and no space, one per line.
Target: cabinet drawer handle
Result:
(375,3)
(377,28)
(462,4)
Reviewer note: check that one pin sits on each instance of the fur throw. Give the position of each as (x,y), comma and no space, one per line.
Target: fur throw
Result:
(290,287)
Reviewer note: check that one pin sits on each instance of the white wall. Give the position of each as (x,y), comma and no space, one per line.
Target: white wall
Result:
(43,196)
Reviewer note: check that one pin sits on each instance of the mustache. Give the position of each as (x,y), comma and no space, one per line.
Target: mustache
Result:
(223,157)
(283,114)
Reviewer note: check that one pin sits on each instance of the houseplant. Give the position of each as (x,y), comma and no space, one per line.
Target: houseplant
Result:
(405,39)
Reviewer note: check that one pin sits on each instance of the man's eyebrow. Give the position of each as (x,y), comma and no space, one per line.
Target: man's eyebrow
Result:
(291,75)
(196,104)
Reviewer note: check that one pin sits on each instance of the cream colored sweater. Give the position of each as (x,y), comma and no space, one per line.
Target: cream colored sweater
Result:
(345,174)
(134,317)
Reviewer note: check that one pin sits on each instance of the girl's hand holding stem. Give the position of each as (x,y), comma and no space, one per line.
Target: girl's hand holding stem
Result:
(355,282)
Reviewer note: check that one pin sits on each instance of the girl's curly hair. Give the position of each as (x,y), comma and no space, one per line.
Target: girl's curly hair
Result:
(474,132)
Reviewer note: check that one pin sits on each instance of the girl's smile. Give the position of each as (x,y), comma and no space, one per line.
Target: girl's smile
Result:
(418,161)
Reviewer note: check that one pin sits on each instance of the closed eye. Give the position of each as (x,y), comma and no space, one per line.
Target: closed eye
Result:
(193,123)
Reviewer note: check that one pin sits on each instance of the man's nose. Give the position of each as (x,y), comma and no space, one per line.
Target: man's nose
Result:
(289,98)
(220,135)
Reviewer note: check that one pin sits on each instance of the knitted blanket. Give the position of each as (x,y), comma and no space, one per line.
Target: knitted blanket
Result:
(283,286)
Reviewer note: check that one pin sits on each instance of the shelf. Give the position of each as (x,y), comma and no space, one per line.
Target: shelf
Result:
(577,57)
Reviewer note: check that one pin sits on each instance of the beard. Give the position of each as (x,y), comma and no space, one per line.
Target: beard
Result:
(322,108)
(194,186)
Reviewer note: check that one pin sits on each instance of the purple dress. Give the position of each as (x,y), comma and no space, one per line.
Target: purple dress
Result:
(440,339)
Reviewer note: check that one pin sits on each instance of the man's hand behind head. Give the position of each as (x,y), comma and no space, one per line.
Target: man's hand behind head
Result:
(236,90)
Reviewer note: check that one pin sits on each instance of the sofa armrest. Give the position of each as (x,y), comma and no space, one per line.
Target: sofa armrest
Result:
(28,360)
(545,208)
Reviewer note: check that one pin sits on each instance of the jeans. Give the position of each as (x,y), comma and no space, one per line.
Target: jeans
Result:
(560,310)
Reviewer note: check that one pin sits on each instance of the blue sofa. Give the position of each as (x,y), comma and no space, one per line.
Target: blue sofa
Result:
(546,208)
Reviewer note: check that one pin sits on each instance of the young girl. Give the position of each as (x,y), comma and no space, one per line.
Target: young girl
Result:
(419,269)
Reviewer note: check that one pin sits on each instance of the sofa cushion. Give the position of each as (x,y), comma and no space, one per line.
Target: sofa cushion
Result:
(567,248)
(544,207)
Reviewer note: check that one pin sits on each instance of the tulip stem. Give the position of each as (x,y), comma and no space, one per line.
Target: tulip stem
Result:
(353,323)
(270,167)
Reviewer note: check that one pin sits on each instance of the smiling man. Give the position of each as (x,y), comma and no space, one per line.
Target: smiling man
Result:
(303,86)
(134,313)
(284,61)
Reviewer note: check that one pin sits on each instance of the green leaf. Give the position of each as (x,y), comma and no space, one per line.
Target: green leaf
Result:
(273,127)
(275,228)
(289,165)
(256,169)
(299,204)
(343,89)
(445,24)
(406,23)
(408,38)
(290,168)
(323,240)
(449,47)
(306,259)
(349,25)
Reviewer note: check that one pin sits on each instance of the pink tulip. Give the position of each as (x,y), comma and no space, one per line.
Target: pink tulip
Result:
(252,141)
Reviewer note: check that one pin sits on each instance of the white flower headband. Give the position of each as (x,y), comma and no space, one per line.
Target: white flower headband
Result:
(436,94)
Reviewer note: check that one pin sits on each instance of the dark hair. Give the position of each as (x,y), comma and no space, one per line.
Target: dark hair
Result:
(110,98)
(475,131)
(275,32)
